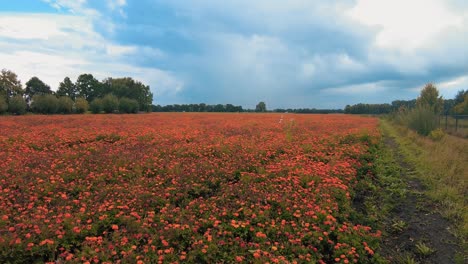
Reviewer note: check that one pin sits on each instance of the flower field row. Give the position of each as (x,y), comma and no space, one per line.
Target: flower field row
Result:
(194,188)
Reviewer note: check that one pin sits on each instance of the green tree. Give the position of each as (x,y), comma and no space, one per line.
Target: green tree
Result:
(462,107)
(36,87)
(460,97)
(81,105)
(3,104)
(219,108)
(110,103)
(430,98)
(67,88)
(44,104)
(127,105)
(421,119)
(96,106)
(88,87)
(65,105)
(261,107)
(9,84)
(130,88)
(17,105)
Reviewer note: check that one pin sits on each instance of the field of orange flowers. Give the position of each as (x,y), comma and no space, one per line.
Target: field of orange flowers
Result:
(195,188)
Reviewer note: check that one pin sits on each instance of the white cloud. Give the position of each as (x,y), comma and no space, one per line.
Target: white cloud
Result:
(28,27)
(448,88)
(49,68)
(161,82)
(406,25)
(357,89)
(52,47)
(308,70)
(270,15)
(238,58)
(117,5)
(119,50)
(72,6)
(326,67)
(255,53)
(451,87)
(237,49)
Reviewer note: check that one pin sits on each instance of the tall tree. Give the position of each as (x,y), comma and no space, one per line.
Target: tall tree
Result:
(429,97)
(67,88)
(397,104)
(17,105)
(130,88)
(88,86)
(462,107)
(261,107)
(44,104)
(110,103)
(81,105)
(219,108)
(3,104)
(460,97)
(9,84)
(36,87)
(65,105)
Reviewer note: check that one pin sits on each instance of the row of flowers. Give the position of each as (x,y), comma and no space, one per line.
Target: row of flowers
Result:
(196,188)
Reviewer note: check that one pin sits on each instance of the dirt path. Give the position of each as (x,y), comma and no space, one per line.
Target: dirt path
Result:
(417,232)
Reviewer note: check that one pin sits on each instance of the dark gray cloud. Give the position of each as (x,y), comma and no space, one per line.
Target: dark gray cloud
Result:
(297,53)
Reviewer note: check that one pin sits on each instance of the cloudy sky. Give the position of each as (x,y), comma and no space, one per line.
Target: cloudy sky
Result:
(295,53)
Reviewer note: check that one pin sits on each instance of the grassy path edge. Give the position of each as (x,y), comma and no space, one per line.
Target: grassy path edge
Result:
(411,205)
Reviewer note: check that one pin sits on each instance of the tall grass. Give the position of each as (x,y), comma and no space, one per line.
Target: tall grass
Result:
(421,119)
(442,167)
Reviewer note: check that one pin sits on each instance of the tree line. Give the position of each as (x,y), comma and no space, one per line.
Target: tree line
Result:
(198,108)
(423,116)
(124,95)
(309,111)
(458,105)
(229,108)
(220,108)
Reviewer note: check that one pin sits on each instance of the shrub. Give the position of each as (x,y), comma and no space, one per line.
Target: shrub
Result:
(65,105)
(462,108)
(96,106)
(127,105)
(110,103)
(430,98)
(421,119)
(400,115)
(437,134)
(17,105)
(81,105)
(3,105)
(45,104)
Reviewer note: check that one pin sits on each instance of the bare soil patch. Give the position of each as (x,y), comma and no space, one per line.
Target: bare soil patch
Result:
(416,223)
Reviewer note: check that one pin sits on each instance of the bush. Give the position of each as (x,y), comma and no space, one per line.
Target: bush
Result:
(81,105)
(3,105)
(45,104)
(127,105)
(421,119)
(17,105)
(437,134)
(65,105)
(110,103)
(96,106)
(462,108)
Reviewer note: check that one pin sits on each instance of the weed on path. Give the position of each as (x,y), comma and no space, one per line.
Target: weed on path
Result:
(417,233)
